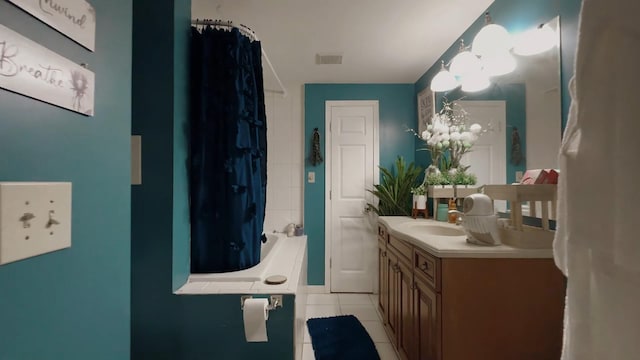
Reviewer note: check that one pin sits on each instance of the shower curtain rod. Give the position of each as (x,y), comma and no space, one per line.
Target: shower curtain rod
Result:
(245,30)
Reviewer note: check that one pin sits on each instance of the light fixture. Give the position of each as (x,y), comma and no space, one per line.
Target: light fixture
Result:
(491,38)
(500,63)
(465,62)
(443,81)
(476,81)
(536,41)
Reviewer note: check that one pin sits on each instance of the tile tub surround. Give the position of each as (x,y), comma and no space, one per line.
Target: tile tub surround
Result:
(454,246)
(362,306)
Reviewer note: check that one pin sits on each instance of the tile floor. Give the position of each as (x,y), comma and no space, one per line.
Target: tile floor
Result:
(363,306)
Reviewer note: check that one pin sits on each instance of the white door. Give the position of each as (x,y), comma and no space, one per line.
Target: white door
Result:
(488,156)
(352,167)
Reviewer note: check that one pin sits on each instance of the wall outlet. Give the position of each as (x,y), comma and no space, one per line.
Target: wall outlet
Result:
(35,218)
(311,177)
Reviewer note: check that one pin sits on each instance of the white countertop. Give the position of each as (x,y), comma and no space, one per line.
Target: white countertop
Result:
(404,228)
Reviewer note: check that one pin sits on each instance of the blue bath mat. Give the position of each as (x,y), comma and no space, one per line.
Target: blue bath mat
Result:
(341,337)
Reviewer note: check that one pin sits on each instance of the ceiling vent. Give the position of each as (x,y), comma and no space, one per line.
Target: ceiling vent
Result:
(328,59)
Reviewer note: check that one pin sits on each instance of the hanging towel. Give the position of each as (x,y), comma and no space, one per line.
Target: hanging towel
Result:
(597,243)
(316,154)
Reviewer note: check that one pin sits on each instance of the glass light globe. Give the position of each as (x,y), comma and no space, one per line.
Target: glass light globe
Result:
(499,63)
(464,63)
(491,38)
(536,41)
(476,81)
(443,81)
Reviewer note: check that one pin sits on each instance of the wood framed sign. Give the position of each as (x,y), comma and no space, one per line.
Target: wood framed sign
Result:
(75,19)
(30,69)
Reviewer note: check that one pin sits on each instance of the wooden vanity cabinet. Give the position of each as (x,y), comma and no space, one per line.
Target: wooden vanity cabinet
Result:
(469,308)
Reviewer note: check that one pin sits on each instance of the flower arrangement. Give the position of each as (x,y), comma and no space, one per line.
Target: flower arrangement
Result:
(448,137)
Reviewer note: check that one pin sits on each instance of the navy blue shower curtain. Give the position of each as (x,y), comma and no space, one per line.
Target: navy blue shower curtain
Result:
(228,175)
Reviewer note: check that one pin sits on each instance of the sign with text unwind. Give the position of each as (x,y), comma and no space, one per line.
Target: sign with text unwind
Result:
(73,18)
(30,69)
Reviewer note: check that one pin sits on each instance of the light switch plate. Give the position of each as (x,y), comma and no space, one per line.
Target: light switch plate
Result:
(311,177)
(35,218)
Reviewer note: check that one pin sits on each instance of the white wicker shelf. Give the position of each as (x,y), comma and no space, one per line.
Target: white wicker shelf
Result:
(515,233)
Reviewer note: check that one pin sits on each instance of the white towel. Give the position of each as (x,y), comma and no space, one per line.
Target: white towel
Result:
(597,244)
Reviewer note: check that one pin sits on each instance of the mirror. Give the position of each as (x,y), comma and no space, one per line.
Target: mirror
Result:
(532,98)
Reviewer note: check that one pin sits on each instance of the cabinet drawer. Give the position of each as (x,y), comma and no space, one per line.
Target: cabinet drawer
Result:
(382,232)
(401,247)
(427,267)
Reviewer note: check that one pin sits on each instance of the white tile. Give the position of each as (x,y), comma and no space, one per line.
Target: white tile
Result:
(375,330)
(279,174)
(279,149)
(362,312)
(354,299)
(316,311)
(307,352)
(299,352)
(276,220)
(297,175)
(386,351)
(322,299)
(296,198)
(307,337)
(279,198)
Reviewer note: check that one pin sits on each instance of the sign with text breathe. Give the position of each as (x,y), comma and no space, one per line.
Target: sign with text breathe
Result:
(31,69)
(74,18)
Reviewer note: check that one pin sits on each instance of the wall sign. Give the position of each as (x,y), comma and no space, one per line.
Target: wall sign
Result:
(30,69)
(74,18)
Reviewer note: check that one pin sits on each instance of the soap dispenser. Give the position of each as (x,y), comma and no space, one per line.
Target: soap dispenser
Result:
(453,215)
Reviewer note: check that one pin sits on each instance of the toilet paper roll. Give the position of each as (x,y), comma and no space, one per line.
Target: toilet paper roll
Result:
(255,315)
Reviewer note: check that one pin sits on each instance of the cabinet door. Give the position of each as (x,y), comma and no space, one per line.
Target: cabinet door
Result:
(406,327)
(383,282)
(392,304)
(427,322)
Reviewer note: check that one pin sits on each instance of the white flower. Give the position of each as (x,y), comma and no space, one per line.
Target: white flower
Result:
(446,137)
(426,135)
(475,128)
(466,136)
(455,136)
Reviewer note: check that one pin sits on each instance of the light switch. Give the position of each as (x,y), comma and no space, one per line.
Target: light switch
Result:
(311,177)
(35,218)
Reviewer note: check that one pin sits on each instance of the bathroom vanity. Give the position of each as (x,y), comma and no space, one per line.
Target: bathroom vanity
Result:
(444,299)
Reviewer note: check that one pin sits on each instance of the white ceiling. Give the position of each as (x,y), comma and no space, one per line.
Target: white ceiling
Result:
(381,41)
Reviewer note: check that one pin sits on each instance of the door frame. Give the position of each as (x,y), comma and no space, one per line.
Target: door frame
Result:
(327,176)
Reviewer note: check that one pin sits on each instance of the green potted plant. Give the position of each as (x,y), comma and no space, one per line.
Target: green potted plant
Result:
(419,197)
(394,190)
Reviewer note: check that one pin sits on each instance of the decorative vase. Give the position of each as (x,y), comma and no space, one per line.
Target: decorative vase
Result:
(420,201)
(431,170)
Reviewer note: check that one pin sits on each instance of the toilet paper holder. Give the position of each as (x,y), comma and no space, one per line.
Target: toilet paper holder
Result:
(275,301)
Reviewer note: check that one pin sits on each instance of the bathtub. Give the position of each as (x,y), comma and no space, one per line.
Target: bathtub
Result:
(281,255)
(275,259)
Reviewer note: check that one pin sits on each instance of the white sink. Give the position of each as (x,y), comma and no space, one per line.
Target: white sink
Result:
(434,229)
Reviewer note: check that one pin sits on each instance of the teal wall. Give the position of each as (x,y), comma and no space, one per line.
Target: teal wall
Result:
(517,16)
(73,304)
(163,325)
(397,106)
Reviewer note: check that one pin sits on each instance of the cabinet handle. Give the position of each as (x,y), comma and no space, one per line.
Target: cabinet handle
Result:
(384,254)
(424,266)
(396,268)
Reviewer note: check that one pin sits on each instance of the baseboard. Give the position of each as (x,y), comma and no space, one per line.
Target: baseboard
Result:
(317,289)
